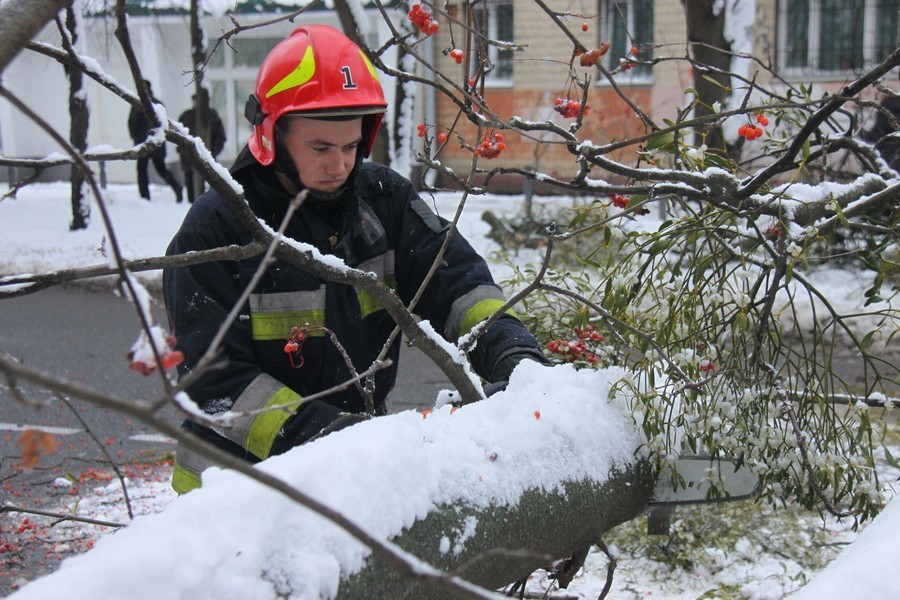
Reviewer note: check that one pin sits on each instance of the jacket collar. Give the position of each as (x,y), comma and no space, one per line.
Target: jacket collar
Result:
(343,226)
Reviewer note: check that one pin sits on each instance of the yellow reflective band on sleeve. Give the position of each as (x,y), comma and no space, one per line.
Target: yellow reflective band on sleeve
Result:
(184,480)
(188,466)
(382,266)
(277,325)
(300,75)
(368,304)
(481,311)
(266,425)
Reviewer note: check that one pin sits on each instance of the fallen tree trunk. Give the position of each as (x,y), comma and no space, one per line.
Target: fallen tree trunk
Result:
(509,542)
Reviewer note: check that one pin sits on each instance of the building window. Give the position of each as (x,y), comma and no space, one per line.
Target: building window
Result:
(628,24)
(231,75)
(496,19)
(835,37)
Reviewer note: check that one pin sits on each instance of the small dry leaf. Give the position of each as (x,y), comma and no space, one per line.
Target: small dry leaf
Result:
(32,443)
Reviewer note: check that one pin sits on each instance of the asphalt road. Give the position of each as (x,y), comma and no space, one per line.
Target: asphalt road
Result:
(84,336)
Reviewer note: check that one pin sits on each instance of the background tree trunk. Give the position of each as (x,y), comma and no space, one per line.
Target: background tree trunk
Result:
(706,35)
(201,105)
(79,118)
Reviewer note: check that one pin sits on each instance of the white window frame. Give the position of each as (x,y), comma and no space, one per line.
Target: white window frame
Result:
(868,43)
(493,79)
(607,12)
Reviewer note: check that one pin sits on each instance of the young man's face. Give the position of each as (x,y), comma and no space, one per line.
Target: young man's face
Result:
(324,152)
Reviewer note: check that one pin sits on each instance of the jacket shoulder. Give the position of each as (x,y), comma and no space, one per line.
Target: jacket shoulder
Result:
(390,192)
(377,178)
(211,223)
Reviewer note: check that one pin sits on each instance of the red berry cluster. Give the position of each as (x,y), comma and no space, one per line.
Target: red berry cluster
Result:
(26,525)
(421,18)
(629,61)
(169,355)
(622,202)
(582,349)
(750,131)
(589,59)
(619,201)
(457,55)
(293,346)
(569,108)
(491,146)
(706,365)
(421,129)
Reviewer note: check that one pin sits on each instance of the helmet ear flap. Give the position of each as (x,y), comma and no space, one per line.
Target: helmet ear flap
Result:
(253,111)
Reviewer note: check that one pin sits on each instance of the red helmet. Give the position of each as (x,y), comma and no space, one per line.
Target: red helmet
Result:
(315,70)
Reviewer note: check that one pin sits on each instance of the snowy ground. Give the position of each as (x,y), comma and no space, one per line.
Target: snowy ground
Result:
(763,553)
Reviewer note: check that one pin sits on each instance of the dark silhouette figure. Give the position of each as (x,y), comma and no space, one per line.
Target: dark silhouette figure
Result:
(888,147)
(139,128)
(216,142)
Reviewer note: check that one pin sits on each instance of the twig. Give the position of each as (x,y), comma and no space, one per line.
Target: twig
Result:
(109,459)
(7,508)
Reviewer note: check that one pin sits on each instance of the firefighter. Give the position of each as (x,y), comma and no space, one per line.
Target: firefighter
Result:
(315,113)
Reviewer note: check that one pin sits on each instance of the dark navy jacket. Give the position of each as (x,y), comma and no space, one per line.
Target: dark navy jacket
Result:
(382,227)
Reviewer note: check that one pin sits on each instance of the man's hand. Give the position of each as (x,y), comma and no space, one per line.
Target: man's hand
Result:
(506,365)
(313,420)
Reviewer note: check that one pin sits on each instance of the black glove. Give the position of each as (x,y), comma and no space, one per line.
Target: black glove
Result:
(314,419)
(509,361)
(492,388)
(507,364)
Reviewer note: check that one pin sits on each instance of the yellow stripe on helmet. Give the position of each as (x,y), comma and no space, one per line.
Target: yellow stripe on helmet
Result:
(300,75)
(369,64)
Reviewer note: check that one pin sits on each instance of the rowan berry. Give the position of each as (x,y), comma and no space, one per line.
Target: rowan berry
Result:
(442,137)
(619,201)
(491,146)
(749,132)
(173,359)
(569,108)
(422,19)
(584,26)
(762,119)
(457,55)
